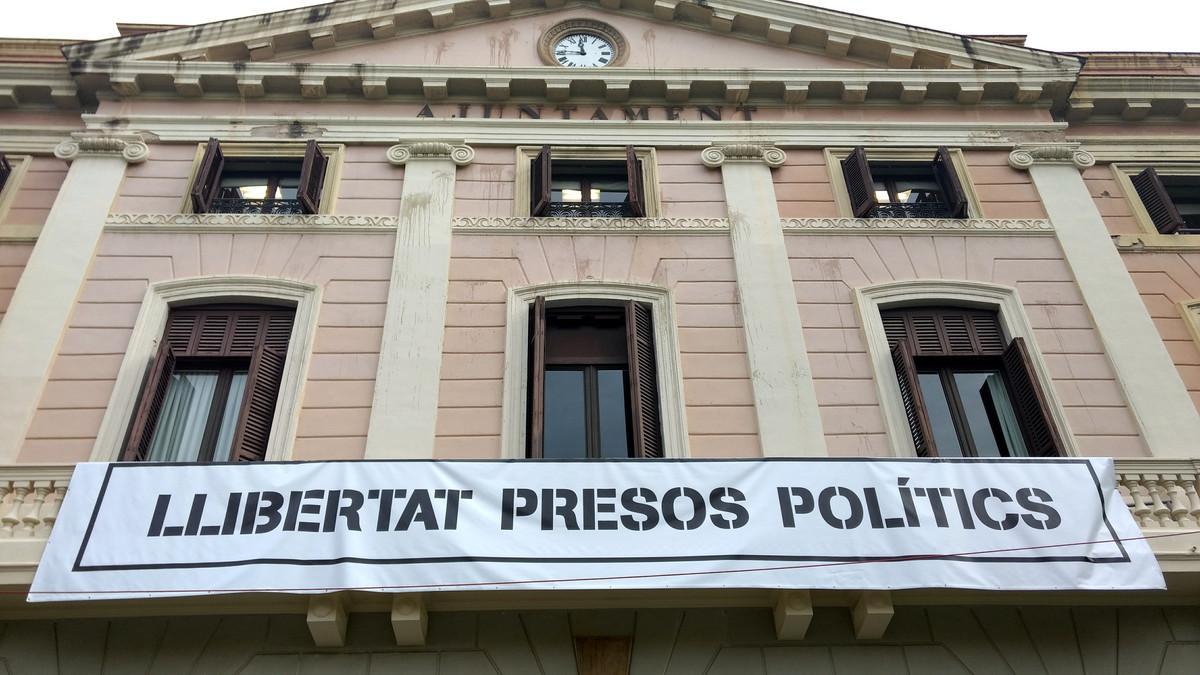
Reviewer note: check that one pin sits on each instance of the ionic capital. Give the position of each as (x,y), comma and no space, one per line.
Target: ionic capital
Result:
(1025,156)
(132,149)
(716,155)
(404,153)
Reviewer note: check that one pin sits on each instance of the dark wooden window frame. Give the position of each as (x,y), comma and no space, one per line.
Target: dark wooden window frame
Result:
(638,363)
(206,185)
(860,185)
(6,170)
(541,172)
(945,339)
(223,337)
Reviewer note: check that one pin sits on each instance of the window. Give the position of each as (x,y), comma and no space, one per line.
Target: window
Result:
(271,185)
(967,391)
(6,170)
(593,382)
(904,189)
(210,393)
(577,186)
(1172,201)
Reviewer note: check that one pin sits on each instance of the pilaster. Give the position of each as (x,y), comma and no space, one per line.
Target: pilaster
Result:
(45,295)
(785,401)
(1145,370)
(404,408)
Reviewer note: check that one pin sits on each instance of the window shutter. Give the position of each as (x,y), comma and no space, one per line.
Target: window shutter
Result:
(914,402)
(947,178)
(539,182)
(945,332)
(150,402)
(537,374)
(1041,435)
(1157,202)
(208,177)
(312,178)
(645,418)
(5,170)
(859,184)
(258,409)
(637,187)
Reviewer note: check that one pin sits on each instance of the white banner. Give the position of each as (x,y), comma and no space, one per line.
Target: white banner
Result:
(134,530)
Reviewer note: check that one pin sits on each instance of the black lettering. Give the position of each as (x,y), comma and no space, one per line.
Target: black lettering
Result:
(160,515)
(418,509)
(629,503)
(724,500)
(906,498)
(746,111)
(1025,500)
(551,508)
(463,108)
(197,512)
(384,516)
(788,510)
(711,112)
(452,502)
(642,113)
(231,512)
(964,509)
(670,517)
(425,111)
(606,507)
(533,113)
(980,502)
(824,502)
(248,514)
(293,510)
(599,114)
(509,509)
(935,502)
(270,511)
(566,110)
(672,111)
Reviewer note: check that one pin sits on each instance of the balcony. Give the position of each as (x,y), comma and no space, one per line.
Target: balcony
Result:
(921,210)
(261,206)
(589,210)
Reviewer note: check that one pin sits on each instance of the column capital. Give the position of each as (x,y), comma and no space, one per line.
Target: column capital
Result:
(1024,156)
(715,155)
(130,148)
(454,151)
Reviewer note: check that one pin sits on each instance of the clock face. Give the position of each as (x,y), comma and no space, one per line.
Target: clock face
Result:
(583,50)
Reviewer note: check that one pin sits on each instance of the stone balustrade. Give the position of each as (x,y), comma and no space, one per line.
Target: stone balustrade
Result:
(1161,494)
(30,497)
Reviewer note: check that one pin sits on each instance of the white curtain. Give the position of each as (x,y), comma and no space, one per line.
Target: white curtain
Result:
(229,417)
(1007,416)
(180,428)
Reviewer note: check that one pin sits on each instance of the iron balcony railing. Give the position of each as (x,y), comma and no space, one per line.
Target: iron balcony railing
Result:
(921,210)
(265,206)
(589,210)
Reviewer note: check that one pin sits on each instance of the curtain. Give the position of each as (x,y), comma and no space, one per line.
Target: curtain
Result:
(1007,416)
(180,428)
(229,417)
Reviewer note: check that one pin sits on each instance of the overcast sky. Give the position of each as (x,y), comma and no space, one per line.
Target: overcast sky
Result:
(1099,25)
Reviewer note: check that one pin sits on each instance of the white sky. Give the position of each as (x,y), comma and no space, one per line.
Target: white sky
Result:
(1059,25)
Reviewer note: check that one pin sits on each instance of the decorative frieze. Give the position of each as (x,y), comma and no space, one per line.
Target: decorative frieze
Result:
(494,225)
(217,221)
(404,153)
(919,225)
(1025,156)
(130,148)
(716,155)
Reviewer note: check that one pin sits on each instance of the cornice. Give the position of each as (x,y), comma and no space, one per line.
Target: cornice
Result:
(1025,156)
(918,225)
(1156,149)
(129,78)
(244,222)
(772,21)
(37,85)
(33,140)
(717,155)
(1132,98)
(349,128)
(498,225)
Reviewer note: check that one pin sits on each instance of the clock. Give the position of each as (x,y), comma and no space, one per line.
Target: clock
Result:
(583,50)
(582,43)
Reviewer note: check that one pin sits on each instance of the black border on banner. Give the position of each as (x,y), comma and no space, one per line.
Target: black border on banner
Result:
(1124,558)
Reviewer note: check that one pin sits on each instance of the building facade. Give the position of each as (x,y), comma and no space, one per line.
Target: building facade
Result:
(502,230)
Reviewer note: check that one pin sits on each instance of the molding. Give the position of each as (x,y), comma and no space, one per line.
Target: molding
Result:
(367,129)
(34,141)
(20,233)
(1154,243)
(1132,98)
(1004,299)
(545,44)
(241,222)
(1025,156)
(716,155)
(1190,311)
(837,180)
(132,149)
(670,372)
(148,330)
(524,225)
(1152,150)
(38,85)
(527,153)
(404,153)
(1004,226)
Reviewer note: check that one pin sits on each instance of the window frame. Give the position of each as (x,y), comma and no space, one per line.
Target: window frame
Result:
(513,438)
(147,335)
(1124,172)
(1003,300)
(841,196)
(8,196)
(334,152)
(523,179)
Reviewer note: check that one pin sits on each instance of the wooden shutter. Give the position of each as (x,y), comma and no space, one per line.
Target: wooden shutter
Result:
(208,177)
(539,183)
(914,402)
(645,417)
(312,178)
(945,331)
(859,184)
(1041,434)
(258,407)
(537,374)
(637,187)
(150,402)
(5,170)
(947,178)
(1158,203)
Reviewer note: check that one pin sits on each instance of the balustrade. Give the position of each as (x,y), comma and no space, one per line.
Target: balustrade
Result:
(30,499)
(1161,494)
